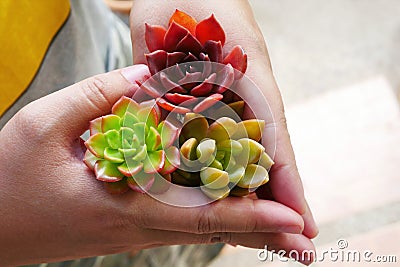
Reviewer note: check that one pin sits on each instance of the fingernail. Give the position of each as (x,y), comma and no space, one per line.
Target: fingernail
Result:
(136,73)
(291,229)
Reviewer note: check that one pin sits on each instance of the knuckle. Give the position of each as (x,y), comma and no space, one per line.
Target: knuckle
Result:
(29,123)
(207,221)
(95,90)
(251,224)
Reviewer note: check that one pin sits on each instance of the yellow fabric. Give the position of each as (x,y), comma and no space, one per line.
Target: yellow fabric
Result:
(27,28)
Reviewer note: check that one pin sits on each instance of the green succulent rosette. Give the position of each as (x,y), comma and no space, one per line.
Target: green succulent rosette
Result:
(224,157)
(131,147)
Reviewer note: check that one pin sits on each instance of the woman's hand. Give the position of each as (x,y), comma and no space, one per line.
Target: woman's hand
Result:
(52,207)
(238,21)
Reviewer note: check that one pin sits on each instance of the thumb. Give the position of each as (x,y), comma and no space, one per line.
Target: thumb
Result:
(70,110)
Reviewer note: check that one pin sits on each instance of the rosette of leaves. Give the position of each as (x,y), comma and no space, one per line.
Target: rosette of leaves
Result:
(131,147)
(224,158)
(192,84)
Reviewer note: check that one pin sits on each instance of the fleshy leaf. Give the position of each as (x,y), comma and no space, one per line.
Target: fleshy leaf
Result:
(130,168)
(254,176)
(123,105)
(113,139)
(170,107)
(128,152)
(189,44)
(227,77)
(188,149)
(127,135)
(113,155)
(90,160)
(206,150)
(170,85)
(194,125)
(179,99)
(107,172)
(110,122)
(238,59)
(229,161)
(210,29)
(207,103)
(235,174)
(184,20)
(220,155)
(141,182)
(250,129)
(266,161)
(172,160)
(205,87)
(217,164)
(168,132)
(128,120)
(119,187)
(154,161)
(151,104)
(154,36)
(252,151)
(174,58)
(222,129)
(157,61)
(97,144)
(151,88)
(140,129)
(153,140)
(214,178)
(214,51)
(141,154)
(149,116)
(95,126)
(238,107)
(189,78)
(215,194)
(174,34)
(232,146)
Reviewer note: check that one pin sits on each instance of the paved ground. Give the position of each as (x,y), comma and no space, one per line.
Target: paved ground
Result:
(337,64)
(317,45)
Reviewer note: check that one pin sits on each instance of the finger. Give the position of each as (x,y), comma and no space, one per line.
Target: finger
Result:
(310,227)
(285,182)
(230,214)
(295,246)
(69,110)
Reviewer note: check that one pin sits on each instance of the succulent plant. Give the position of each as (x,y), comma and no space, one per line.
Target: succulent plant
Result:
(224,157)
(131,146)
(193,84)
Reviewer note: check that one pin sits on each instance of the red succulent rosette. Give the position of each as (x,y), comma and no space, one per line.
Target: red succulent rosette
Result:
(182,58)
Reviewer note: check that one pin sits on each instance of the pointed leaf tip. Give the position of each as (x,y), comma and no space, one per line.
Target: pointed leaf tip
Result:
(210,29)
(238,59)
(174,35)
(154,37)
(184,20)
(107,172)
(123,105)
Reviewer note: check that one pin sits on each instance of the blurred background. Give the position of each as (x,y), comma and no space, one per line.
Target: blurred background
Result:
(337,65)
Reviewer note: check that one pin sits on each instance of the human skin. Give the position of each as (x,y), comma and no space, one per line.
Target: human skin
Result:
(237,19)
(54,209)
